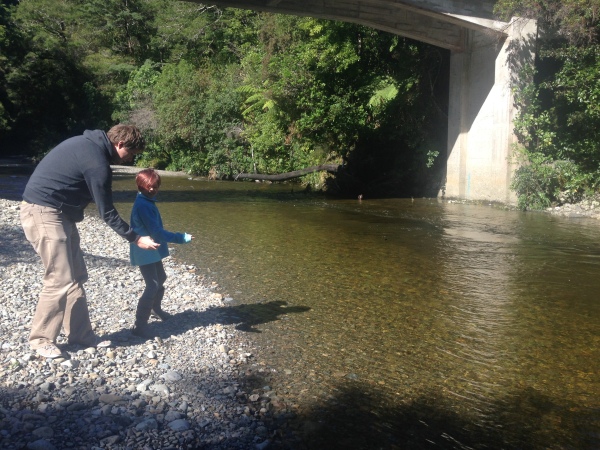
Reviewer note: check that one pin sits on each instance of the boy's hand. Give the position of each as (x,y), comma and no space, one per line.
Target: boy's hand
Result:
(187,237)
(146,243)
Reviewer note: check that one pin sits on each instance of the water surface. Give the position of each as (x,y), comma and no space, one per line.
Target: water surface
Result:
(406,324)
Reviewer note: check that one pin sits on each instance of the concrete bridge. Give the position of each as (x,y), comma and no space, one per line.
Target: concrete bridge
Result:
(485,55)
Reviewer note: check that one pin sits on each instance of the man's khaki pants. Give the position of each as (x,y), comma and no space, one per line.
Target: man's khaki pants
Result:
(62,301)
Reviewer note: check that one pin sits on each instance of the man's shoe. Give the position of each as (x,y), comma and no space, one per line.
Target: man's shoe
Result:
(103,344)
(49,351)
(96,342)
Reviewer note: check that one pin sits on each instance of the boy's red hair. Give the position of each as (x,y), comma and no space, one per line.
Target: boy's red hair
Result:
(147,179)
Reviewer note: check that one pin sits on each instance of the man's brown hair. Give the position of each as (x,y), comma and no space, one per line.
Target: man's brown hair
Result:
(130,135)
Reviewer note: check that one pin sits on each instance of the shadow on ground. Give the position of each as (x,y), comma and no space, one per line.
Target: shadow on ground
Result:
(245,318)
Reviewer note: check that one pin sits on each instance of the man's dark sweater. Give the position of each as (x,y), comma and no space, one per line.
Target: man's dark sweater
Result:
(75,173)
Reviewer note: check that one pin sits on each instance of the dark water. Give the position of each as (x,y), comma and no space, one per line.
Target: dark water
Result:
(399,324)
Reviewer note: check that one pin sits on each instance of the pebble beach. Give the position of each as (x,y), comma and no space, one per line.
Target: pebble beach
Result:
(186,389)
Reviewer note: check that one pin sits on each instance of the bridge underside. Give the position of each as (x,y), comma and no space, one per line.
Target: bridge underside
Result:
(425,21)
(485,54)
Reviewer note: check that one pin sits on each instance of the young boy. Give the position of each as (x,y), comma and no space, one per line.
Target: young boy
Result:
(146,221)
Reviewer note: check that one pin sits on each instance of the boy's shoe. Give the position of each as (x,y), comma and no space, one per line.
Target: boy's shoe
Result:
(161,314)
(143,331)
(49,350)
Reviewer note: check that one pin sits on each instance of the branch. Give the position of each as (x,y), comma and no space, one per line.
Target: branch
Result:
(331,168)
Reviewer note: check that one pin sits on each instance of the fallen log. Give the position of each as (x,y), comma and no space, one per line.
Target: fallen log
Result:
(331,168)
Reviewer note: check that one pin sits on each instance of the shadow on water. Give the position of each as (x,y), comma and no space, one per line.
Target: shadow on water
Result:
(247,316)
(353,419)
(237,194)
(346,421)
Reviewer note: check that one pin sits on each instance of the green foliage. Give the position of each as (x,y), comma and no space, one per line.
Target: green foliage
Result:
(57,78)
(431,157)
(541,182)
(219,92)
(199,33)
(575,21)
(386,93)
(197,115)
(133,103)
(559,120)
(535,183)
(560,155)
(10,49)
(316,90)
(45,87)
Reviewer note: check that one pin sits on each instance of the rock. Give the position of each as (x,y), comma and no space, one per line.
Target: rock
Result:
(160,389)
(43,432)
(70,364)
(111,399)
(40,444)
(179,425)
(263,445)
(110,440)
(148,424)
(172,376)
(172,415)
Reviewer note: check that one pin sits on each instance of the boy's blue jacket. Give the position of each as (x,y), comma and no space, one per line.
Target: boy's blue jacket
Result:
(146,221)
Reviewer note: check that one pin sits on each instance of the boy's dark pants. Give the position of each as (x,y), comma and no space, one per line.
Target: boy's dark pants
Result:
(155,277)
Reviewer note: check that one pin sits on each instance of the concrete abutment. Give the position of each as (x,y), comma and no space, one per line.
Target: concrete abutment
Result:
(481,113)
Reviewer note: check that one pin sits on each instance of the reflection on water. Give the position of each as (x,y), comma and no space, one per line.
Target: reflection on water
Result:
(415,324)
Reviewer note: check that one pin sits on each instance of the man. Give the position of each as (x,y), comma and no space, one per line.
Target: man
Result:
(68,178)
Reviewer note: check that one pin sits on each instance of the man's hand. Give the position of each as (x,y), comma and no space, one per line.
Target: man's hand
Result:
(146,243)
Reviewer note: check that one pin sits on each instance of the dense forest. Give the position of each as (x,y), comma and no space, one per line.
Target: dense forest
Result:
(220,92)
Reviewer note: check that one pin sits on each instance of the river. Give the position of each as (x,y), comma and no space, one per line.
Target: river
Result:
(400,323)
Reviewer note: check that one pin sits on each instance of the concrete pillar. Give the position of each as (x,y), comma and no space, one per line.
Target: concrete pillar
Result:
(481,113)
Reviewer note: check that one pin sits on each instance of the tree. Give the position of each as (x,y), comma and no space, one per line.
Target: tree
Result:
(575,21)
(560,117)
(45,87)
(223,92)
(11,49)
(321,91)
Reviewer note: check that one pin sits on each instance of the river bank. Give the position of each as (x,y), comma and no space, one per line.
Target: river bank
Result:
(587,208)
(191,387)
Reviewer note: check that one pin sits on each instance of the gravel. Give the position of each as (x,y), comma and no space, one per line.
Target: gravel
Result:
(187,388)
